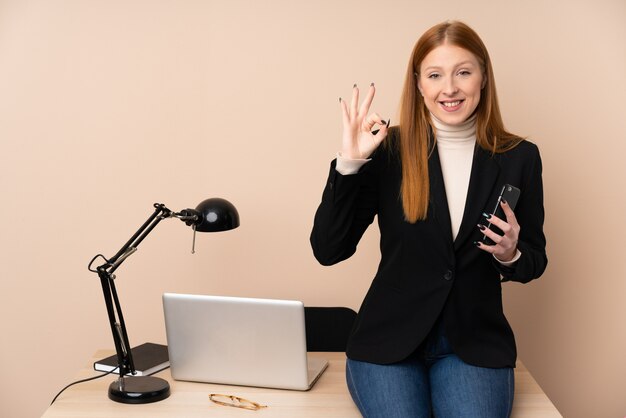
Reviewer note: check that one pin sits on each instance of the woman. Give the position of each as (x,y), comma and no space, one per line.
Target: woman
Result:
(431,335)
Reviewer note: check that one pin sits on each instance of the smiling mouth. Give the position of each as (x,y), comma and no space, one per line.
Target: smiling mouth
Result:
(451,104)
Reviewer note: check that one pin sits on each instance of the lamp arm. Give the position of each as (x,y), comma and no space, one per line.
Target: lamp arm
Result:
(160,212)
(111,300)
(124,357)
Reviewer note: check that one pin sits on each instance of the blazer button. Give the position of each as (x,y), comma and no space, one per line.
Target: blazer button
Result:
(448,275)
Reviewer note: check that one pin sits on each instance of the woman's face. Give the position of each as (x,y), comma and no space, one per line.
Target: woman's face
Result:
(450,80)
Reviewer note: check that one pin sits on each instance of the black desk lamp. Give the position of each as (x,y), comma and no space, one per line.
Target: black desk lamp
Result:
(212,215)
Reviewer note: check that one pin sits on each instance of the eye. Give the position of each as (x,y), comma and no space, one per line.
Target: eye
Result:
(464,73)
(433,76)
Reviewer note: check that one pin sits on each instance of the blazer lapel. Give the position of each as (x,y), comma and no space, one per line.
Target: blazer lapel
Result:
(482,180)
(438,199)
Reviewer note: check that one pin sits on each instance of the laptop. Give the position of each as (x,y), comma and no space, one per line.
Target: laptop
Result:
(239,341)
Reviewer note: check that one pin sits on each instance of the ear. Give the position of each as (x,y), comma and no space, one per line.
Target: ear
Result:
(484,82)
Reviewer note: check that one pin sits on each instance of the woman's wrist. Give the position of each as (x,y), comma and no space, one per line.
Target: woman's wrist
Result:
(346,166)
(512,259)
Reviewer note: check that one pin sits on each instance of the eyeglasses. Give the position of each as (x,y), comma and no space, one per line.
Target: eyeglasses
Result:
(235,402)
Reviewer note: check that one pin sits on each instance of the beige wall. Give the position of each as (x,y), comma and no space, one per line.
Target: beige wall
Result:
(109,106)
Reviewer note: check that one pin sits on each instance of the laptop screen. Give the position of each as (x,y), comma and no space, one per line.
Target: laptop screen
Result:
(240,341)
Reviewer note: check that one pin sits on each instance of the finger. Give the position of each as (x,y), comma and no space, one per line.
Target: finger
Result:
(496,238)
(494,220)
(365,106)
(487,248)
(370,121)
(344,112)
(382,132)
(355,101)
(508,212)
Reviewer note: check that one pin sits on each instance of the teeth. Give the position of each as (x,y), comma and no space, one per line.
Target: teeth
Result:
(451,104)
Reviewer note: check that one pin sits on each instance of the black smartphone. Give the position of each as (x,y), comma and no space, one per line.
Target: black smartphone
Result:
(511,195)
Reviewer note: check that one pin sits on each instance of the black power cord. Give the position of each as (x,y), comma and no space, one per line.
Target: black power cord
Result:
(82,381)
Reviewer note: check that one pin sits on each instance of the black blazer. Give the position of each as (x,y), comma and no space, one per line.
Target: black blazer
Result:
(423,274)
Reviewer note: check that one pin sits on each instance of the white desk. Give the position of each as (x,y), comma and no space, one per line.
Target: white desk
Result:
(329,398)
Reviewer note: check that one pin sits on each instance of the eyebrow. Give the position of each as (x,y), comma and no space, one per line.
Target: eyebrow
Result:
(435,67)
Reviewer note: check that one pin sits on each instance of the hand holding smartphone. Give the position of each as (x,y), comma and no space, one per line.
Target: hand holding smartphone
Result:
(511,195)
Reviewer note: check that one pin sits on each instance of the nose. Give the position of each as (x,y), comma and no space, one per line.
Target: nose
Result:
(450,88)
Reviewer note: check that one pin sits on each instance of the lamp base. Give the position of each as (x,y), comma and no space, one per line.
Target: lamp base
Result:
(139,389)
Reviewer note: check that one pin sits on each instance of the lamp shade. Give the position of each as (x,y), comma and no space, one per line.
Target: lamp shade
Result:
(216,215)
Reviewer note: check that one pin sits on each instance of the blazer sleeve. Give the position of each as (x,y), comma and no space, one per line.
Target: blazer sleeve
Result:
(530,216)
(348,207)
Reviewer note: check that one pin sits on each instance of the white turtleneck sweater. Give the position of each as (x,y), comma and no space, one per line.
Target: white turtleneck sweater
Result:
(456,153)
(455,145)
